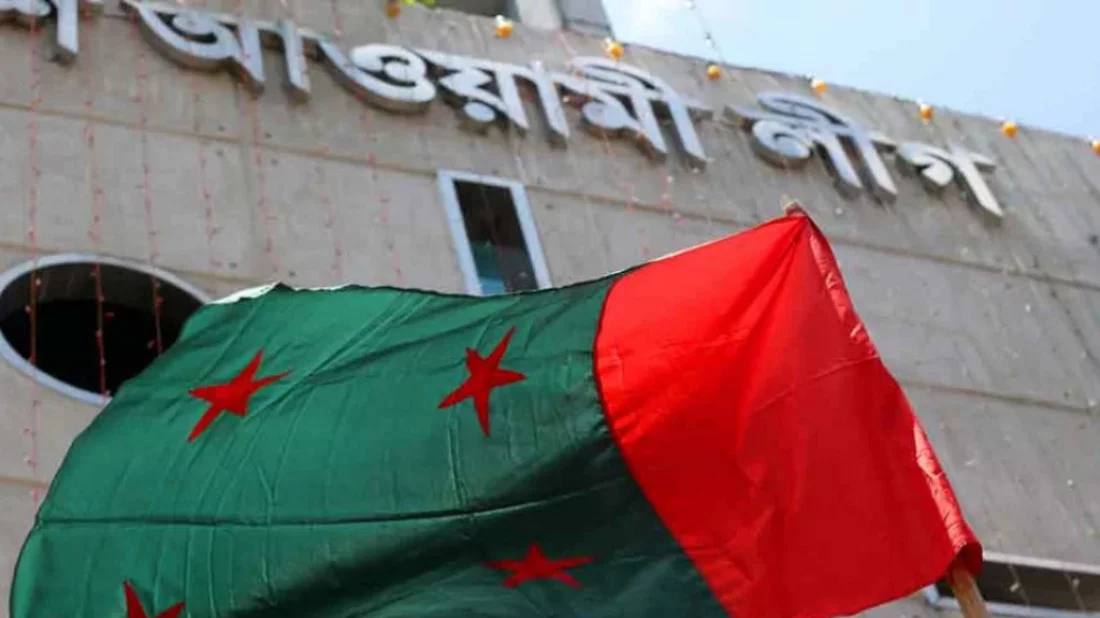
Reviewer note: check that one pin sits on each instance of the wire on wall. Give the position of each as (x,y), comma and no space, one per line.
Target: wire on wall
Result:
(141,97)
(250,106)
(206,199)
(34,283)
(320,179)
(383,196)
(609,157)
(97,206)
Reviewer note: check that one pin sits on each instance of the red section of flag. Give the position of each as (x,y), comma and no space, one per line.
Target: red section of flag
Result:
(756,415)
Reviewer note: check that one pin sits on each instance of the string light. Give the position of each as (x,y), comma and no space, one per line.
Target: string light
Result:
(205,195)
(34,283)
(336,267)
(818,86)
(1009,128)
(251,109)
(383,218)
(1096,146)
(504,27)
(141,97)
(925,111)
(714,72)
(617,175)
(95,223)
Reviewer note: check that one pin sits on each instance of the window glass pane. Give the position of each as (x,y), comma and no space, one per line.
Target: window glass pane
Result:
(496,238)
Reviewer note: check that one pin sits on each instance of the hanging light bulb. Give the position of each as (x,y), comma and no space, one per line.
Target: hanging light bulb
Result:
(504,27)
(714,72)
(393,8)
(818,86)
(1009,128)
(926,112)
(613,48)
(1096,146)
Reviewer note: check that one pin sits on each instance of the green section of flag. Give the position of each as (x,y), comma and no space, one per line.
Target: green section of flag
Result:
(344,490)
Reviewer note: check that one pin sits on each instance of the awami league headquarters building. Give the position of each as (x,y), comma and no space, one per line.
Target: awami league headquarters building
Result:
(156,156)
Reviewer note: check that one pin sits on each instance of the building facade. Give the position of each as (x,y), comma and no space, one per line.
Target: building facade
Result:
(154,159)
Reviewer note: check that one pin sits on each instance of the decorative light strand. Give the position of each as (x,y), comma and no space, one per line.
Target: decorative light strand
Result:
(336,267)
(205,194)
(589,210)
(141,98)
(34,283)
(609,156)
(383,218)
(818,86)
(95,221)
(252,113)
(668,179)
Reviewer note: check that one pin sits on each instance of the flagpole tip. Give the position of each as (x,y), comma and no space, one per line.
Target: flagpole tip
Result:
(792,208)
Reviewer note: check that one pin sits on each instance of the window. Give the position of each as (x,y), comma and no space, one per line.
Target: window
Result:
(498,247)
(1030,588)
(67,318)
(485,8)
(587,16)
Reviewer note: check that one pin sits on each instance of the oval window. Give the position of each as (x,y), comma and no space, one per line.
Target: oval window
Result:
(139,311)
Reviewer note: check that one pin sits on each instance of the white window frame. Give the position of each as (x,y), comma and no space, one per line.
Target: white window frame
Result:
(16,360)
(449,194)
(1016,610)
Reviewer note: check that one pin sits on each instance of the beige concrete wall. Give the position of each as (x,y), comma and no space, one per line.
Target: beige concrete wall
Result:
(993,329)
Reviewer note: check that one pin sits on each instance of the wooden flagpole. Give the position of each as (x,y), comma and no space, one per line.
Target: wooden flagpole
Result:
(966,592)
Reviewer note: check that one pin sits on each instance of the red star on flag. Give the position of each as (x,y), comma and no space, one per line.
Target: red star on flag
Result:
(135,610)
(535,565)
(485,375)
(232,396)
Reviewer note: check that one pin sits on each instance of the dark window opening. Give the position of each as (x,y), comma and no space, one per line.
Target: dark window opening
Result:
(67,318)
(485,8)
(1010,583)
(496,239)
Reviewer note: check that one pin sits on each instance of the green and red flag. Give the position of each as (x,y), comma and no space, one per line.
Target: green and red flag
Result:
(709,434)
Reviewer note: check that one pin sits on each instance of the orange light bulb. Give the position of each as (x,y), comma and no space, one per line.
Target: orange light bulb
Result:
(1010,128)
(1096,146)
(614,49)
(393,8)
(504,27)
(926,112)
(818,86)
(714,72)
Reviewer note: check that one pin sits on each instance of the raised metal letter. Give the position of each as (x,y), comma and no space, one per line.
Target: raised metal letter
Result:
(203,41)
(789,147)
(287,37)
(486,91)
(647,96)
(26,12)
(67,13)
(386,76)
(938,168)
(827,129)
